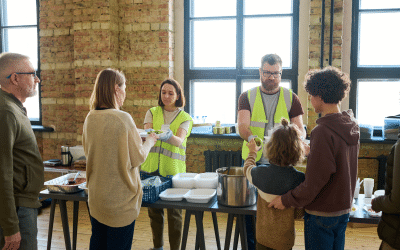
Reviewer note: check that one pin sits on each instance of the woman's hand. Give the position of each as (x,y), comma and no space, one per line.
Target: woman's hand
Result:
(153,137)
(253,148)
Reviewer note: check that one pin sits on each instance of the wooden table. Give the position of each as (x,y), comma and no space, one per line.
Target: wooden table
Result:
(196,209)
(360,215)
(239,213)
(61,199)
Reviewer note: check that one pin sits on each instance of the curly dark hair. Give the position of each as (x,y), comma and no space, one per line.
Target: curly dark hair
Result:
(285,148)
(329,83)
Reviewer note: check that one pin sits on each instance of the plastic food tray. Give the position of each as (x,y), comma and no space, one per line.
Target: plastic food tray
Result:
(152,194)
(206,180)
(200,195)
(183,180)
(174,194)
(58,185)
(144,134)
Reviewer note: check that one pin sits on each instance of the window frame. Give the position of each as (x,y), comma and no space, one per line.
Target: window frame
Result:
(239,73)
(365,72)
(39,96)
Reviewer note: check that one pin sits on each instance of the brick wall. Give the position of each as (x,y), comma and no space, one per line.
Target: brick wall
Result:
(78,38)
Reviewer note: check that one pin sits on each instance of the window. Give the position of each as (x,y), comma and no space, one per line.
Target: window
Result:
(224,43)
(19,34)
(375,61)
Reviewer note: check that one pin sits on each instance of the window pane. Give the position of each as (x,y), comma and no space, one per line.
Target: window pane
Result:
(209,8)
(214,44)
(377,99)
(248,84)
(254,7)
(381,4)
(15,40)
(13,10)
(209,101)
(379,43)
(260,38)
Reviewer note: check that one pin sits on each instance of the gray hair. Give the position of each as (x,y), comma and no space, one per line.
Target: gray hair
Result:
(9,63)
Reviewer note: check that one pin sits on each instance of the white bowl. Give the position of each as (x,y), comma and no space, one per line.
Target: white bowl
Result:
(206,180)
(183,180)
(200,195)
(173,194)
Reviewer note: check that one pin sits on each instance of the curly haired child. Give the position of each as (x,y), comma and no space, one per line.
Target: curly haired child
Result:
(275,228)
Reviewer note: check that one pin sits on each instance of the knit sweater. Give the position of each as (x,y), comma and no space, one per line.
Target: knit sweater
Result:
(114,151)
(21,166)
(272,180)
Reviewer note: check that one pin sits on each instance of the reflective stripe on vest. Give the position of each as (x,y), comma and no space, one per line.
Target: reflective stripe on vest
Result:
(258,119)
(168,153)
(165,157)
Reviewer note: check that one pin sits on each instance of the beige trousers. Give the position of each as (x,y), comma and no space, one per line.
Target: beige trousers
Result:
(174,227)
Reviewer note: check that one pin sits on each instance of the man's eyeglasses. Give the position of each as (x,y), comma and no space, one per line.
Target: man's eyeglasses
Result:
(24,73)
(269,73)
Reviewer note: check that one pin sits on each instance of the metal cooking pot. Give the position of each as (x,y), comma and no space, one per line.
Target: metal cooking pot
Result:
(234,189)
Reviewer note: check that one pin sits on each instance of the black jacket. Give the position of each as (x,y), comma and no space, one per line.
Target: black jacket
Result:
(389,204)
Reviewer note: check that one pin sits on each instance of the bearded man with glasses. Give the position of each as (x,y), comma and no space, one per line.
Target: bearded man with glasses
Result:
(21,165)
(260,109)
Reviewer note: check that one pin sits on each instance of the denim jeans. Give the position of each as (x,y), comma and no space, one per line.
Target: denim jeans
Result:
(325,232)
(107,238)
(27,227)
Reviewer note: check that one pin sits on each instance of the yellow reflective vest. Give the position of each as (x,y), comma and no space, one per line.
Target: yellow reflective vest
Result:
(167,158)
(258,119)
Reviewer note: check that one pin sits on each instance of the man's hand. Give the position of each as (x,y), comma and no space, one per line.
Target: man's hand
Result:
(277,203)
(12,242)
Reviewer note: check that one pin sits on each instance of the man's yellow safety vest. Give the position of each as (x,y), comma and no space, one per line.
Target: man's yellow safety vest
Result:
(258,119)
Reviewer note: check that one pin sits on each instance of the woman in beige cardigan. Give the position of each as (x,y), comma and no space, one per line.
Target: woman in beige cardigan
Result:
(114,152)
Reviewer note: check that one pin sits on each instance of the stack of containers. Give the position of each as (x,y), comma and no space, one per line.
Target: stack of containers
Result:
(195,188)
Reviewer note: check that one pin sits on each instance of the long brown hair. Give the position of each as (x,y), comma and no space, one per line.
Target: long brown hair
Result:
(180,102)
(104,88)
(284,147)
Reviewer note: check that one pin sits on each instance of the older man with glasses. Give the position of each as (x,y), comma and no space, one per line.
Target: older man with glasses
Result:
(262,107)
(21,166)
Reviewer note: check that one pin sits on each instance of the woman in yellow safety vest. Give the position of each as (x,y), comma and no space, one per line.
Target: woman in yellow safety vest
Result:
(168,156)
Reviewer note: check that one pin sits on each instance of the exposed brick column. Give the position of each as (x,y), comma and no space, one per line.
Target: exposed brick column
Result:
(315,42)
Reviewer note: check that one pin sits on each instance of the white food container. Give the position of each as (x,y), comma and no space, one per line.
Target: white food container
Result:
(173,194)
(183,180)
(200,195)
(206,180)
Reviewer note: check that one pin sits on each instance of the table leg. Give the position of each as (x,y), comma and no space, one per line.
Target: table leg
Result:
(64,219)
(185,229)
(237,230)
(51,223)
(75,224)
(200,229)
(215,222)
(228,231)
(242,230)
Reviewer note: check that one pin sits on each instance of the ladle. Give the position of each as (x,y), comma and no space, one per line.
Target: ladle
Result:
(74,180)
